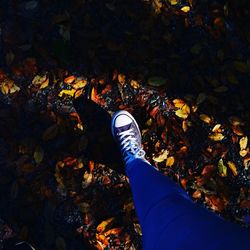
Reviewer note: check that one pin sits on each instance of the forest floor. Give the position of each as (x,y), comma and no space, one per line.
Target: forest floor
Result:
(180,67)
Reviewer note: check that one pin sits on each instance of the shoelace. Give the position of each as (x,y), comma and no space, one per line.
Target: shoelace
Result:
(130,146)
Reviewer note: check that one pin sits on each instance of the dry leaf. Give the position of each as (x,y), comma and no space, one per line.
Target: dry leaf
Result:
(237,130)
(70,92)
(233,168)
(242,67)
(243,142)
(185,9)
(104,224)
(180,113)
(79,84)
(216,128)
(170,161)
(196,194)
(178,103)
(216,136)
(38,154)
(162,157)
(222,168)
(69,79)
(205,118)
(243,152)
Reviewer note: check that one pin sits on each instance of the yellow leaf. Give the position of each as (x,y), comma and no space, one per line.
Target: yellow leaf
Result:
(180,113)
(222,168)
(162,157)
(243,152)
(104,224)
(170,161)
(237,130)
(186,109)
(178,103)
(39,79)
(78,93)
(235,121)
(79,83)
(134,84)
(87,179)
(121,79)
(70,92)
(243,142)
(185,9)
(173,2)
(45,84)
(205,118)
(8,87)
(38,154)
(185,125)
(216,136)
(216,128)
(233,168)
(242,67)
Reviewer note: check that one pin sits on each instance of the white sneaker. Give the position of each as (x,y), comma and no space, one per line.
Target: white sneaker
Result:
(127,134)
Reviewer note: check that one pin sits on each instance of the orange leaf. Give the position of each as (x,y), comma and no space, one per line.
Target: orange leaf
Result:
(69,79)
(170,161)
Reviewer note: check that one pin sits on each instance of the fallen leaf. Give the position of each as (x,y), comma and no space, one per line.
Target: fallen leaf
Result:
(115,231)
(104,225)
(222,168)
(170,161)
(216,136)
(38,154)
(243,153)
(185,9)
(180,113)
(243,142)
(70,92)
(162,157)
(134,84)
(196,194)
(237,130)
(205,118)
(216,128)
(242,66)
(69,79)
(178,103)
(232,167)
(214,202)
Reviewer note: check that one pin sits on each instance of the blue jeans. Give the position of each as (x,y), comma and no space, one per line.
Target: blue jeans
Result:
(171,220)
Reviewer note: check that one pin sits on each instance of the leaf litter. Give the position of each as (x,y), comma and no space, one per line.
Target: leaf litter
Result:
(184,78)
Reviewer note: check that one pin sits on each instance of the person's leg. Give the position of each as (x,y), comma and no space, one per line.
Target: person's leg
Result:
(171,220)
(168,217)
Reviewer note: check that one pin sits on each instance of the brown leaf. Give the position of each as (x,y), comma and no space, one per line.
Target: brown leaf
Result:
(215,202)
(205,118)
(232,167)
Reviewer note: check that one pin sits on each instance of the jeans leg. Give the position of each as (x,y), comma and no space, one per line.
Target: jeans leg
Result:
(171,220)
